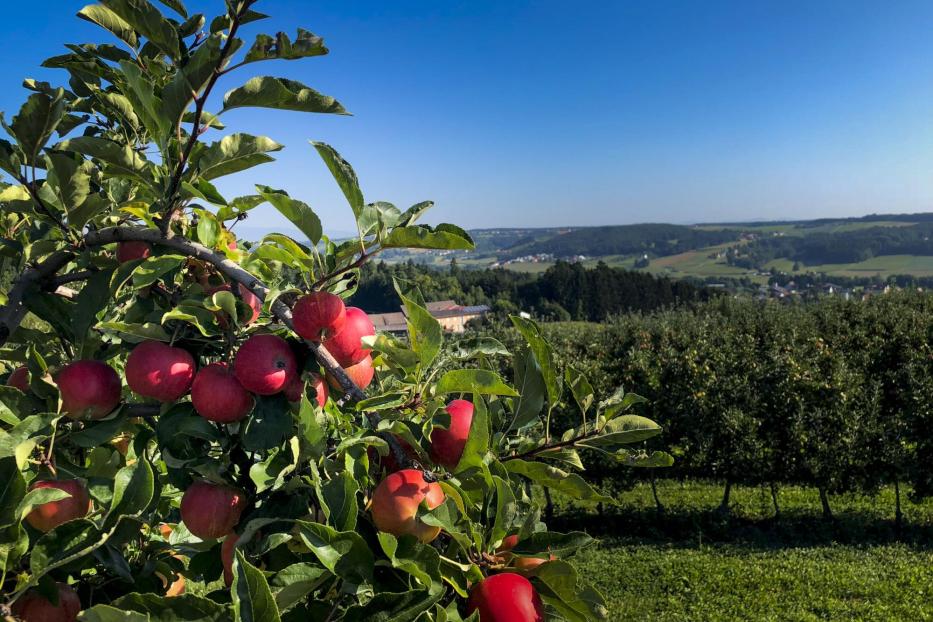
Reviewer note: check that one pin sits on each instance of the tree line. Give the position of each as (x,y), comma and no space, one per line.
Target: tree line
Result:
(837,395)
(563,292)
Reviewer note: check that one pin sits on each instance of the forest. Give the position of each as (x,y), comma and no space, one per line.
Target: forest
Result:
(563,292)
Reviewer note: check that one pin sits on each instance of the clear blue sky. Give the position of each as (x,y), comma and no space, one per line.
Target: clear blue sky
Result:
(517,113)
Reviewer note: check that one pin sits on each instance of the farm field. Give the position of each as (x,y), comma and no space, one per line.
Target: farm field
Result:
(694,564)
(876,266)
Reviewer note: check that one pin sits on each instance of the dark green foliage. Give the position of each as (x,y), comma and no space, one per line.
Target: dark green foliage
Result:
(563,292)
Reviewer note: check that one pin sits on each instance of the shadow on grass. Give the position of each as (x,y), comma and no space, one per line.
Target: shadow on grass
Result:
(690,527)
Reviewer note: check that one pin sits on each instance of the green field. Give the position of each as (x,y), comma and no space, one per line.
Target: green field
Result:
(876,266)
(692,563)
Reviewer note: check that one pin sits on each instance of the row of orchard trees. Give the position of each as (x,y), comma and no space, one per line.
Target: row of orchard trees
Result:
(836,394)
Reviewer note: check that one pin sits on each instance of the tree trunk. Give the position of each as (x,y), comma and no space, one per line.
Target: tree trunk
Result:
(774,500)
(824,500)
(898,515)
(549,505)
(724,506)
(658,506)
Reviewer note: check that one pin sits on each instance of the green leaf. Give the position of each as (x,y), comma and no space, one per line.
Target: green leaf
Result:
(473,381)
(281,94)
(138,331)
(543,543)
(121,159)
(544,354)
(477,347)
(146,103)
(424,331)
(234,153)
(580,387)
(36,497)
(106,613)
(393,350)
(35,122)
(191,79)
(133,488)
(67,542)
(154,268)
(12,492)
(409,555)
(293,583)
(344,175)
(344,553)
(90,301)
(340,497)
(296,211)
(252,598)
(312,435)
(208,228)
(423,236)
(575,600)
(394,606)
(70,179)
(570,484)
(281,47)
(268,424)
(477,443)
(529,381)
(149,22)
(176,6)
(184,608)
(623,430)
(105,18)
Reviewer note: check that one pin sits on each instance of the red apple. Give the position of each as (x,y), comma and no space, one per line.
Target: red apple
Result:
(88,388)
(264,364)
(211,510)
(319,315)
(19,379)
(361,374)
(252,301)
(157,370)
(294,388)
(447,445)
(320,388)
(128,251)
(346,345)
(396,500)
(33,606)
(48,516)
(506,597)
(227,553)
(218,396)
(232,245)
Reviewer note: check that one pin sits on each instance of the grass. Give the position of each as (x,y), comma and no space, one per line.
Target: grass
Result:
(693,563)
(918,265)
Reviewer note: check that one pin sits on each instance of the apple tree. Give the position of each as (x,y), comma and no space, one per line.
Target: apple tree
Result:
(197,427)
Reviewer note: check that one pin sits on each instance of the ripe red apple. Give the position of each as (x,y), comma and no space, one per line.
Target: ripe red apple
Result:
(506,597)
(227,551)
(319,315)
(128,251)
(157,370)
(252,301)
(33,606)
(217,395)
(395,504)
(19,379)
(361,374)
(264,364)
(521,564)
(88,388)
(320,388)
(211,510)
(346,345)
(48,516)
(447,445)
(294,388)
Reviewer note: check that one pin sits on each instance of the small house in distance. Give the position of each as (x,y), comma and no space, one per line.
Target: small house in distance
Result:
(452,317)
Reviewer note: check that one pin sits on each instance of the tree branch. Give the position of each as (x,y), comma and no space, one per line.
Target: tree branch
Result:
(234,272)
(13,312)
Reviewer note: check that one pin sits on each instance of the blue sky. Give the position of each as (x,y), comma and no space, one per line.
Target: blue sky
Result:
(521,113)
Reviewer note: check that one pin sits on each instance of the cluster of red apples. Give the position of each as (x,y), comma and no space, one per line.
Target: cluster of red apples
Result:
(265,364)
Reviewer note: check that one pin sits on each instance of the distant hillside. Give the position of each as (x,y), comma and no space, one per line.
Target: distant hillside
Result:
(655,239)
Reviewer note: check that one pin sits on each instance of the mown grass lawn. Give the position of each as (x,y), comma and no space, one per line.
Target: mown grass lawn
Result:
(692,563)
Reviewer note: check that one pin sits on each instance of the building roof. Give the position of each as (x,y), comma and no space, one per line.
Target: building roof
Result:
(396,322)
(441,305)
(389,322)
